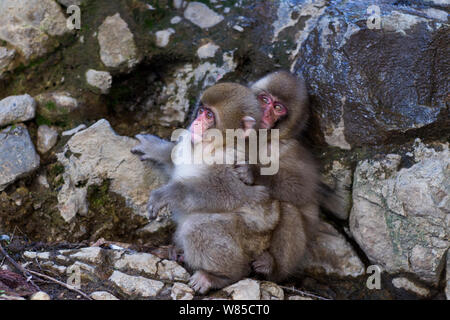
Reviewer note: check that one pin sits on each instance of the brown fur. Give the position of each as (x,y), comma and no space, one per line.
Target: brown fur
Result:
(295,184)
(223,224)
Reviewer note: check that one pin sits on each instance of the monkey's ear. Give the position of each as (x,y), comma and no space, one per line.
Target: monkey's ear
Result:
(249,125)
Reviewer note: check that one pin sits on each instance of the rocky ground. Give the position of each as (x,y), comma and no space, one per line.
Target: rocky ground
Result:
(72,100)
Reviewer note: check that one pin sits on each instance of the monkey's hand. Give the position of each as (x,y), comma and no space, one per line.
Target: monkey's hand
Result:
(156,202)
(152,148)
(244,173)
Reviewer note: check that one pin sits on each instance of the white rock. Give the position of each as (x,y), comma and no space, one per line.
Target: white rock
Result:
(170,270)
(178,4)
(138,262)
(246,289)
(56,105)
(36,255)
(27,25)
(15,109)
(163,37)
(201,15)
(175,20)
(181,291)
(447,271)
(98,153)
(299,298)
(136,286)
(46,138)
(238,28)
(207,51)
(400,217)
(18,156)
(40,295)
(339,179)
(404,283)
(334,133)
(42,180)
(116,43)
(6,57)
(205,74)
(99,79)
(86,271)
(102,295)
(54,267)
(88,254)
(74,130)
(68,3)
(400,22)
(271,291)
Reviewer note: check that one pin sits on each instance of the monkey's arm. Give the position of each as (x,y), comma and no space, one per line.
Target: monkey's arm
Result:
(153,148)
(210,194)
(297,179)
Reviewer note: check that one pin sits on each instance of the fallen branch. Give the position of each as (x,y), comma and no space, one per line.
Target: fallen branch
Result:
(68,286)
(304,293)
(24,271)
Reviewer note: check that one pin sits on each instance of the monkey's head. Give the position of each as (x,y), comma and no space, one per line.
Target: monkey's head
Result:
(284,100)
(226,106)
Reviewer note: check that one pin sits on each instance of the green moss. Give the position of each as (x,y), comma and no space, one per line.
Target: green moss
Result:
(50,106)
(98,195)
(56,169)
(41,120)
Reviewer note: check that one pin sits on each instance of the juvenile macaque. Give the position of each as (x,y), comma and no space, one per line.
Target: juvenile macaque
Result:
(223,224)
(284,101)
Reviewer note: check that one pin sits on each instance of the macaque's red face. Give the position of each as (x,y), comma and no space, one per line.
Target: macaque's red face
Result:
(205,120)
(273,110)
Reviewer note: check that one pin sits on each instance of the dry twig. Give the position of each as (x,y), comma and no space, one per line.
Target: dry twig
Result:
(24,271)
(68,286)
(292,289)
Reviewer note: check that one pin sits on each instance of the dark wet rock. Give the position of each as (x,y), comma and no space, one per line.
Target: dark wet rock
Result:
(371,84)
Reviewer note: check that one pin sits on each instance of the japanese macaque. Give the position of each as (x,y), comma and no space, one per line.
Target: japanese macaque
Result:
(284,101)
(223,224)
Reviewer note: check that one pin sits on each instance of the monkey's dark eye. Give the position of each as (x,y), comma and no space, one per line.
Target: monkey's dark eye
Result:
(264,98)
(201,110)
(279,108)
(209,115)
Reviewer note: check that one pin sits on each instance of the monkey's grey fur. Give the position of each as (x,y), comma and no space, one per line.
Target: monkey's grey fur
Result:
(223,224)
(296,184)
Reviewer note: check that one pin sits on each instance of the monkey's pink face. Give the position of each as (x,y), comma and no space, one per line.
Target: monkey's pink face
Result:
(205,120)
(273,110)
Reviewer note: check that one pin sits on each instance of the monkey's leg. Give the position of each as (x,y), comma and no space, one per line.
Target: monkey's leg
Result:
(289,239)
(211,245)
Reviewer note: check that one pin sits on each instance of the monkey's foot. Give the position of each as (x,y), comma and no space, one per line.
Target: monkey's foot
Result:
(201,281)
(264,264)
(155,203)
